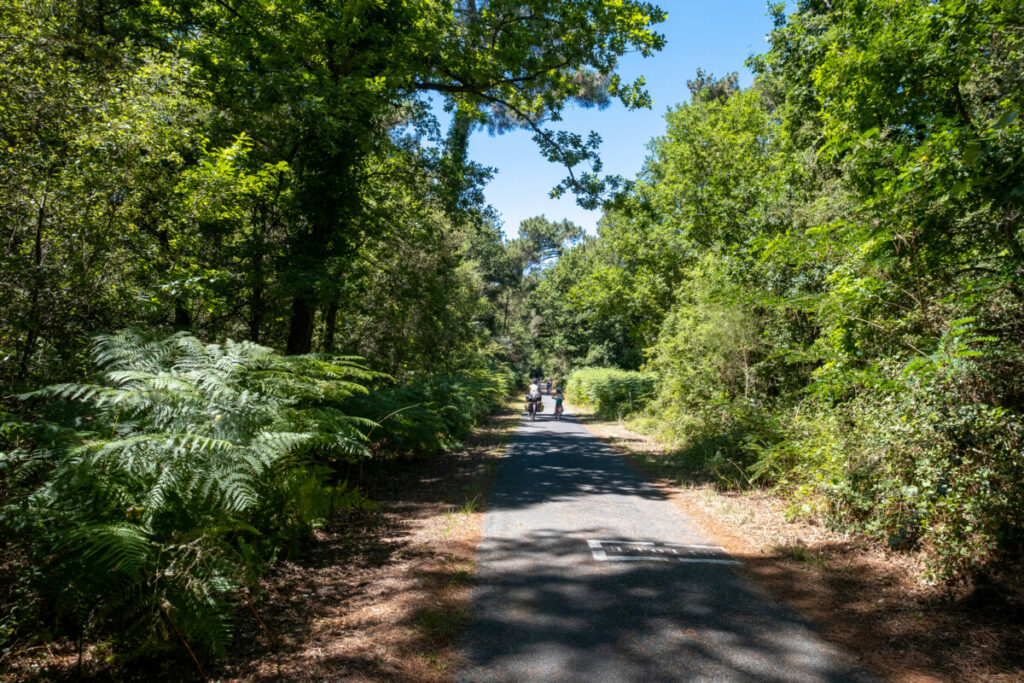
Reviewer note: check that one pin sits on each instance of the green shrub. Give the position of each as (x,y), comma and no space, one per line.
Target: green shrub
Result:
(910,463)
(434,412)
(903,452)
(611,392)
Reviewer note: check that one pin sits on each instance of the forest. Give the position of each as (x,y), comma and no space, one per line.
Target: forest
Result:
(245,252)
(817,280)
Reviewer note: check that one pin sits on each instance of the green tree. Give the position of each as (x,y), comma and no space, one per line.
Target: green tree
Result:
(352,65)
(95,139)
(543,241)
(824,271)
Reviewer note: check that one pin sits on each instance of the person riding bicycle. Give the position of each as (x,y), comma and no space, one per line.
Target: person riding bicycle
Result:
(533,393)
(558,400)
(549,385)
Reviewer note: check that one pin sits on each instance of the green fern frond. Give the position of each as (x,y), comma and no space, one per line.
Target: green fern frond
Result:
(280,442)
(117,548)
(69,392)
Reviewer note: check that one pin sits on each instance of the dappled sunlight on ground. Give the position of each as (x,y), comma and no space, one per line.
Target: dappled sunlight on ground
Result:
(659,620)
(587,571)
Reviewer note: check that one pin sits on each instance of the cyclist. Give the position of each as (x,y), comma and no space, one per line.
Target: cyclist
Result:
(549,386)
(532,397)
(558,403)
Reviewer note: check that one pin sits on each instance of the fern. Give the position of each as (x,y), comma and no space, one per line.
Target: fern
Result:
(188,467)
(199,465)
(433,412)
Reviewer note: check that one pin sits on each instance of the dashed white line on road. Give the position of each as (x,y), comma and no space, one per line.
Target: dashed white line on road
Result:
(650,551)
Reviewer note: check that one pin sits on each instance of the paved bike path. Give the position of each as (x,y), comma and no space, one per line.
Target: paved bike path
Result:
(587,572)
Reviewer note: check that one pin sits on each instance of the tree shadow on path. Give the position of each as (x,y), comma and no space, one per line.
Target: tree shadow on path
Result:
(544,607)
(555,464)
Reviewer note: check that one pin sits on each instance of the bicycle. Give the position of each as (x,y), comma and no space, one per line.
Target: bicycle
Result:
(531,408)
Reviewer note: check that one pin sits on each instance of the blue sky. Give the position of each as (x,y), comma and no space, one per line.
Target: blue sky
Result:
(715,35)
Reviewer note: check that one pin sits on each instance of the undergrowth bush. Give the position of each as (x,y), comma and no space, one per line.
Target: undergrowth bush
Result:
(610,391)
(911,463)
(907,453)
(145,502)
(433,412)
(730,439)
(711,402)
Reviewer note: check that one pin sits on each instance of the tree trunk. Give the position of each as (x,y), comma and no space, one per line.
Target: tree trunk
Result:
(457,144)
(300,330)
(255,314)
(182,317)
(330,323)
(504,324)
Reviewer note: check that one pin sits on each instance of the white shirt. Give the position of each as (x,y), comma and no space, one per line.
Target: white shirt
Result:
(534,389)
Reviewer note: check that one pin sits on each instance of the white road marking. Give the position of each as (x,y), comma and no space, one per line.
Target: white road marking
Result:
(659,552)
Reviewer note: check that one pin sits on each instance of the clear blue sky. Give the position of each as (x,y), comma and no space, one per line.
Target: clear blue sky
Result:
(715,35)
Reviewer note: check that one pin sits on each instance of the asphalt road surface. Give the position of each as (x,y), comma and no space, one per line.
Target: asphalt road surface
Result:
(588,573)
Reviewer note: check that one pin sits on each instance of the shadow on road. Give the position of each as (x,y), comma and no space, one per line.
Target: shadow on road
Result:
(538,615)
(547,608)
(553,463)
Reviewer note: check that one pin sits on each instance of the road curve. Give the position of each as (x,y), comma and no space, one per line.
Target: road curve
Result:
(588,573)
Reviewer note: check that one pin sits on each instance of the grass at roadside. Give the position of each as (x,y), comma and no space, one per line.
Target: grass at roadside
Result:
(867,599)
